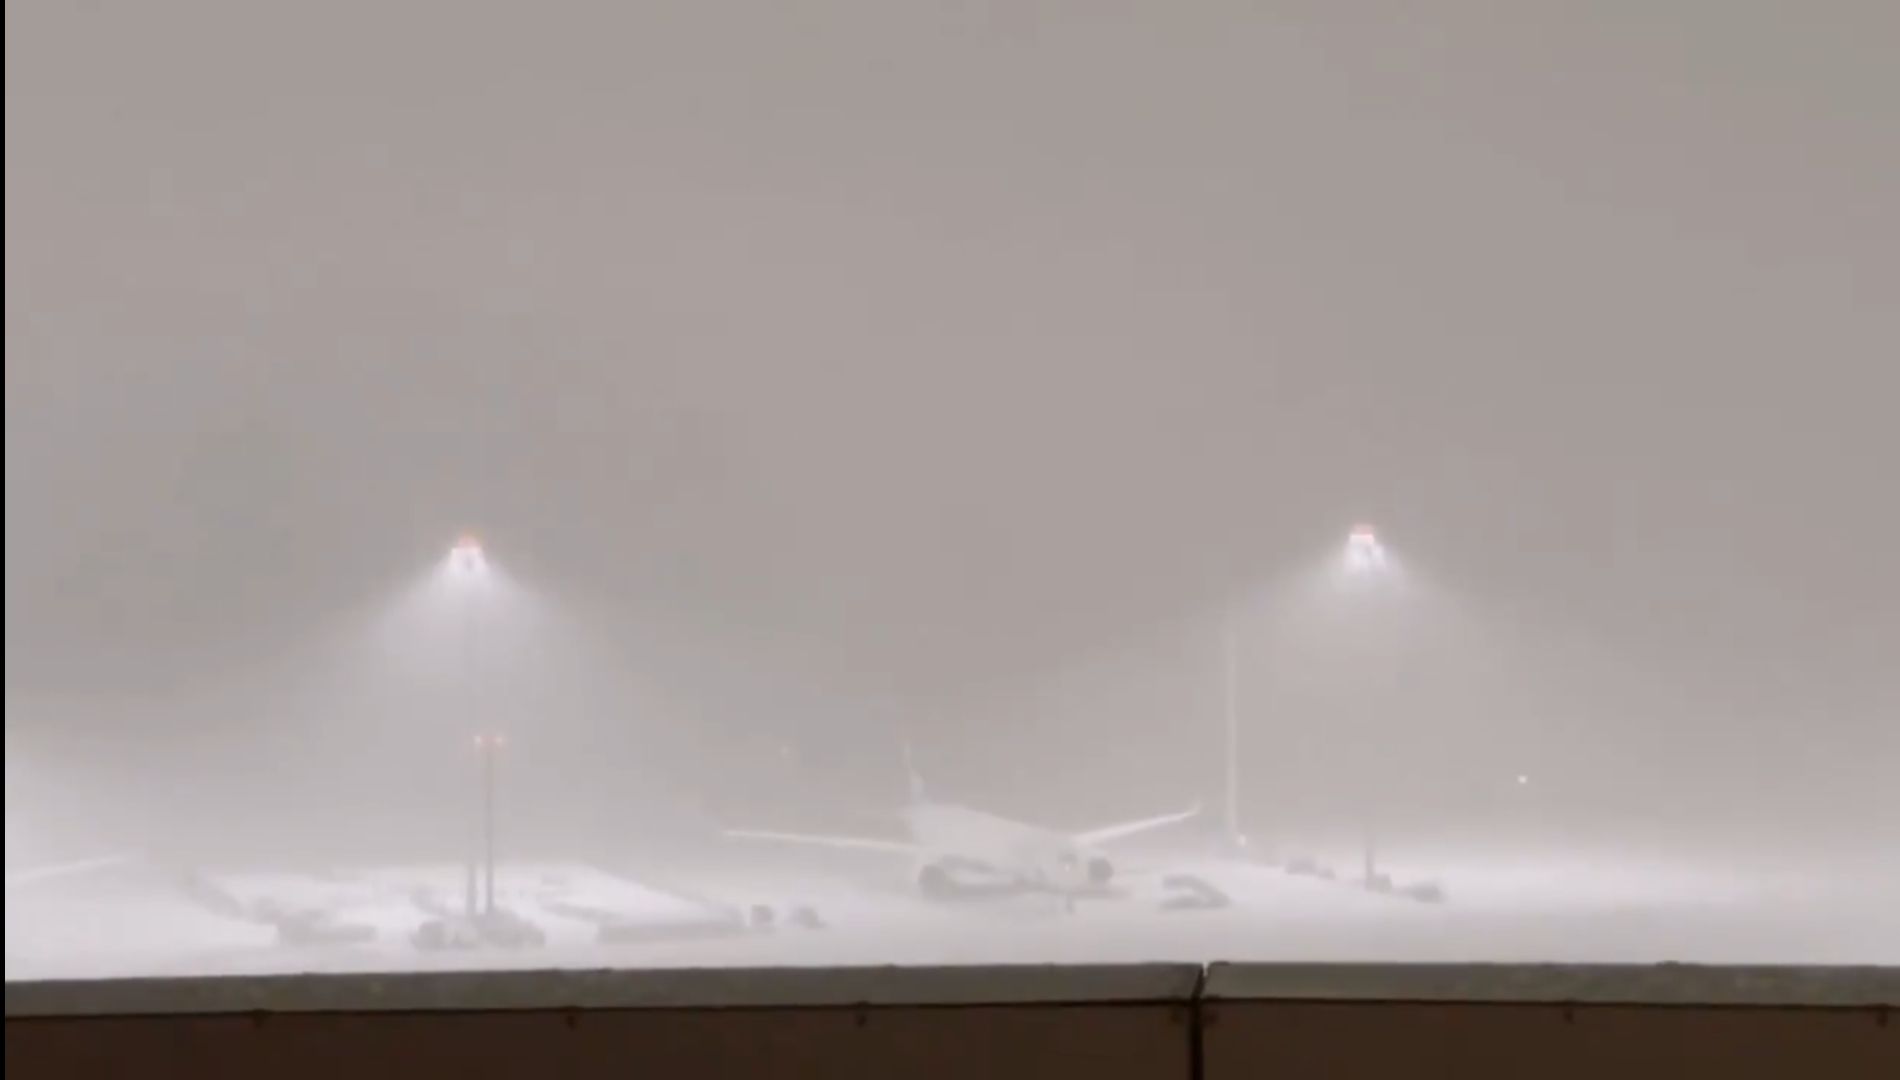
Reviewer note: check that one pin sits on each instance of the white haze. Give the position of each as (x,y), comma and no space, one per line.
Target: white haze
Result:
(826,379)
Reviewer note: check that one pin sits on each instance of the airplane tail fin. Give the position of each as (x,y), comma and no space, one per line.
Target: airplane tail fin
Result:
(916,779)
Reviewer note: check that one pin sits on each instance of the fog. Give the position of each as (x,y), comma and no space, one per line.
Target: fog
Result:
(992,386)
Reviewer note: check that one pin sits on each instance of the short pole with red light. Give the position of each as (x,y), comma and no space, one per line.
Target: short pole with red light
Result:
(488,745)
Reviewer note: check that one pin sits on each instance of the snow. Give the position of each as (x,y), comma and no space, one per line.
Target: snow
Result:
(1550,910)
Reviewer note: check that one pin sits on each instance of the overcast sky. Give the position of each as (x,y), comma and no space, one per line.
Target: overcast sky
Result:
(887,353)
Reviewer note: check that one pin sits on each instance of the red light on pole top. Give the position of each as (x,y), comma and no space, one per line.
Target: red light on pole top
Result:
(1363,551)
(466,555)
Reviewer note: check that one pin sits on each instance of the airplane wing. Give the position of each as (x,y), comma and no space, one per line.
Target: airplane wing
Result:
(852,843)
(45,873)
(1130,828)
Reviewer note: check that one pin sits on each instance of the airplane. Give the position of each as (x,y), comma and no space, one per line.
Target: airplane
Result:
(956,850)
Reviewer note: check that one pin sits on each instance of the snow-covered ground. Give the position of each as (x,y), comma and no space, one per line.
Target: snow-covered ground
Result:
(708,914)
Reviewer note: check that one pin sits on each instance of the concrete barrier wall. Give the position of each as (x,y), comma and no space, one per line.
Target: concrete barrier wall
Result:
(897,1043)
(1159,1021)
(1557,1022)
(891,1024)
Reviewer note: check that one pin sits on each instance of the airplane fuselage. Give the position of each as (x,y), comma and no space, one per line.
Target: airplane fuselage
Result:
(956,841)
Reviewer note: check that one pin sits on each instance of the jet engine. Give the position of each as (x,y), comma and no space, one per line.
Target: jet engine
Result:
(934,880)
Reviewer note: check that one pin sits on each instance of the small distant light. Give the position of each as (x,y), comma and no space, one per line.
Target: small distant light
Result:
(1522,780)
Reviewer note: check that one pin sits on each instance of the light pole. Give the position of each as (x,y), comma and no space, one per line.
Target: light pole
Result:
(468,566)
(1230,659)
(488,744)
(1366,561)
